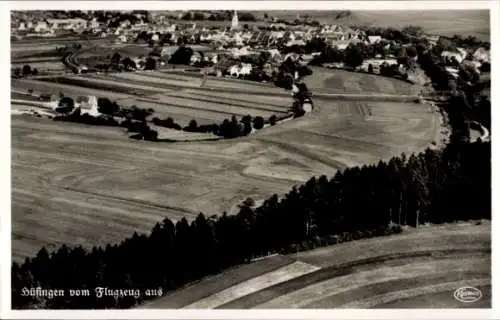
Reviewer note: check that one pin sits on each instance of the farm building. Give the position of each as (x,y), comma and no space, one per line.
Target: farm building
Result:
(242,69)
(374,39)
(307,106)
(482,55)
(88,104)
(41,26)
(449,55)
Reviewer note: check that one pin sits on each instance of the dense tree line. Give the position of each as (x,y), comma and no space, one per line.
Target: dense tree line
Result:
(434,186)
(229,128)
(226,15)
(25,71)
(167,123)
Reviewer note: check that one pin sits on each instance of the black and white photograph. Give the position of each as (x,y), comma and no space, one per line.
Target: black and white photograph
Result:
(250,159)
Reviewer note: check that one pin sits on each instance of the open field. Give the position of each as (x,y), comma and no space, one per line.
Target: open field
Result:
(441,22)
(340,81)
(424,267)
(73,185)
(170,95)
(53,65)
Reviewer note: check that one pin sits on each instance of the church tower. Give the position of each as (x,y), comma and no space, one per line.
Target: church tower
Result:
(234,23)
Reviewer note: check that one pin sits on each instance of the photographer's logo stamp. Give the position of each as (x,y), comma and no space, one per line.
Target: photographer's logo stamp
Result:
(468,294)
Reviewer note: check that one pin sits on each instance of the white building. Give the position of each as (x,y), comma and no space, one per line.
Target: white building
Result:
(22,26)
(93,24)
(482,55)
(88,105)
(196,57)
(307,106)
(242,69)
(41,26)
(449,54)
(374,39)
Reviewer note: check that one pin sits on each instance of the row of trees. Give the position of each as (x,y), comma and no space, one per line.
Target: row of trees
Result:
(229,128)
(434,186)
(25,71)
(119,63)
(353,56)
(226,15)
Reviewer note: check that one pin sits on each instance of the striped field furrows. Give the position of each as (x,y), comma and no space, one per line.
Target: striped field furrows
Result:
(447,262)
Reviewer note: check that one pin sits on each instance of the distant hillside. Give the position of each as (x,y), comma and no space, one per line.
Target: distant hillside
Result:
(448,23)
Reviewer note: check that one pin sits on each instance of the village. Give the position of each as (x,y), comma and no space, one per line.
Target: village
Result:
(225,43)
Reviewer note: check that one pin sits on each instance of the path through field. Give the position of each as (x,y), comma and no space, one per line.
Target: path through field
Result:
(414,269)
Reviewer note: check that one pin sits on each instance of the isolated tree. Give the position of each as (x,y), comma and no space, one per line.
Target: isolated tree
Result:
(150,64)
(66,105)
(273,119)
(246,121)
(181,56)
(411,51)
(192,126)
(115,59)
(34,72)
(353,56)
(106,106)
(129,64)
(258,122)
(26,70)
(370,68)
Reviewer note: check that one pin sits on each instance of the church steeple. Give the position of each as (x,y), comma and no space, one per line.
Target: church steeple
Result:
(234,23)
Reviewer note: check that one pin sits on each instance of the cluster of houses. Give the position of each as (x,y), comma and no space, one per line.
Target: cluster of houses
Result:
(463,57)
(86,104)
(235,40)
(51,27)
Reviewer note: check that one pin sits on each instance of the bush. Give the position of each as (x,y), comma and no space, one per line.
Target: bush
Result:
(167,123)
(272,120)
(395,229)
(192,126)
(258,123)
(137,136)
(137,126)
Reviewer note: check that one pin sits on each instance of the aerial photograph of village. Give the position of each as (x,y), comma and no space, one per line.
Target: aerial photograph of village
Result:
(230,159)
